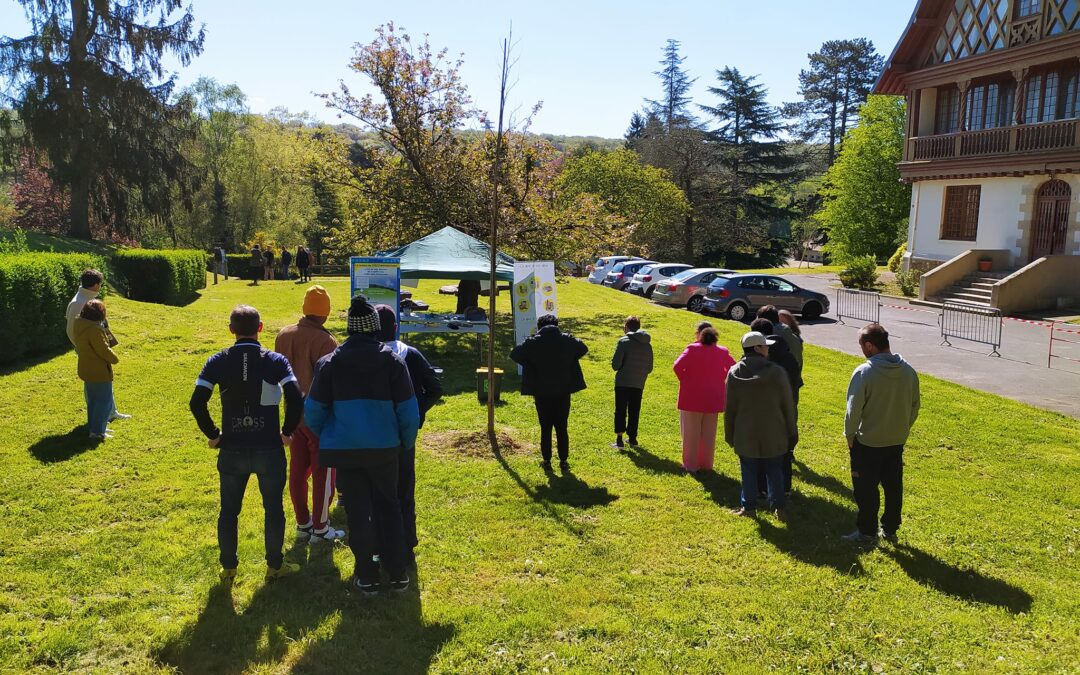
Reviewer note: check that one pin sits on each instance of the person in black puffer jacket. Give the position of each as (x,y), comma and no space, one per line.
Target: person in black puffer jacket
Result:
(550,374)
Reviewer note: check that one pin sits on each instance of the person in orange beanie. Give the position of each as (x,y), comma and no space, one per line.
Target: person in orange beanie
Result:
(304,343)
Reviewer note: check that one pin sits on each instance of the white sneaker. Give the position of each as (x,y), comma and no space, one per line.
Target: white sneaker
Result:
(330,535)
(119,416)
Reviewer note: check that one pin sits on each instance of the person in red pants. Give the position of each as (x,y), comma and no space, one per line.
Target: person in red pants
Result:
(304,343)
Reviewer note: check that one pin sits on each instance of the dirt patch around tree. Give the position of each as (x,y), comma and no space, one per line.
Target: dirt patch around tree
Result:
(472,444)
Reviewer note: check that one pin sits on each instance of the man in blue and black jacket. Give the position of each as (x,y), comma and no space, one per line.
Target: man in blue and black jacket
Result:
(250,440)
(362,406)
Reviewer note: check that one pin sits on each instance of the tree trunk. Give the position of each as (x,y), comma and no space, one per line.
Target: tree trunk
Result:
(79,211)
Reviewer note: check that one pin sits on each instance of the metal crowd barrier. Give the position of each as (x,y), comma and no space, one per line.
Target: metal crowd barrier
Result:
(859,305)
(974,323)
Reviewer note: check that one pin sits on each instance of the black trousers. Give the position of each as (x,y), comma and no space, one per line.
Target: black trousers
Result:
(554,412)
(871,467)
(627,410)
(234,469)
(406,492)
(374,515)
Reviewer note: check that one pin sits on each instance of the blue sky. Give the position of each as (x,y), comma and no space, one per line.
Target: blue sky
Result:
(591,63)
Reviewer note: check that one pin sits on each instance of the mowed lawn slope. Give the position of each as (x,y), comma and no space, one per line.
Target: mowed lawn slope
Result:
(109,559)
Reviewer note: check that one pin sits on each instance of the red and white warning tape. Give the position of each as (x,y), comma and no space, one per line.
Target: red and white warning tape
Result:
(911,309)
(1044,324)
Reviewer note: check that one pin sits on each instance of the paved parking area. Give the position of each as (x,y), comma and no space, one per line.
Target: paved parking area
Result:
(1021,373)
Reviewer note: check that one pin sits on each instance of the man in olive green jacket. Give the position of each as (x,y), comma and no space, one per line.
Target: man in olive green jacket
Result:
(759,422)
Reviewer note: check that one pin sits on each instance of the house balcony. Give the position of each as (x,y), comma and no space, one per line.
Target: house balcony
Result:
(1023,148)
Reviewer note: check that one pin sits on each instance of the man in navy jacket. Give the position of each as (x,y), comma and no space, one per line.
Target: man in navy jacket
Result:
(363,408)
(251,438)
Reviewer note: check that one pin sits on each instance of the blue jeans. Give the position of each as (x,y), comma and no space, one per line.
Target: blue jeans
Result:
(234,469)
(99,405)
(774,475)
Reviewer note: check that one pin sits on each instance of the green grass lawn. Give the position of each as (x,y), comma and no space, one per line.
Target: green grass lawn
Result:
(108,553)
(37,241)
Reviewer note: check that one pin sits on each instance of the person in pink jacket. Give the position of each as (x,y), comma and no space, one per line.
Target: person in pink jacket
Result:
(702,370)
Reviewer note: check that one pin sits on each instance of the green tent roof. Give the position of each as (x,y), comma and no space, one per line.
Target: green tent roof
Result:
(451,254)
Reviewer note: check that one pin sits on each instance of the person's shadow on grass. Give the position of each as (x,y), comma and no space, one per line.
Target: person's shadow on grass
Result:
(812,534)
(722,489)
(568,489)
(381,634)
(384,634)
(966,584)
(62,447)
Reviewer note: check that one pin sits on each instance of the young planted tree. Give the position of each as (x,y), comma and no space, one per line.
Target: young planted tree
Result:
(840,77)
(866,205)
(91,91)
(750,159)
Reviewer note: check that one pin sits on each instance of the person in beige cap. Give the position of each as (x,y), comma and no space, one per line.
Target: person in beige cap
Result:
(759,422)
(304,343)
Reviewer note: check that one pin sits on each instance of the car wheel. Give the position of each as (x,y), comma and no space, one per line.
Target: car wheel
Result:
(811,310)
(648,293)
(695,304)
(736,311)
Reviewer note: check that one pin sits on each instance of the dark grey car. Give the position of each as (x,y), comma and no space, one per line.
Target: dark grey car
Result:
(737,295)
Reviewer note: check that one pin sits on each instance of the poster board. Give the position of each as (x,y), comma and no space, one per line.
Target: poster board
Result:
(378,279)
(534,295)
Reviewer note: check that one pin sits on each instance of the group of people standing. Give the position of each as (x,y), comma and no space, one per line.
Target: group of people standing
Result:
(352,412)
(261,263)
(758,396)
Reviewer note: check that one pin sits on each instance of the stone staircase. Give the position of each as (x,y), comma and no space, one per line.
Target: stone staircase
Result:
(974,289)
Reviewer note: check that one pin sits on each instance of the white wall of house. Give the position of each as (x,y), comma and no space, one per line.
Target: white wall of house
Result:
(1005,209)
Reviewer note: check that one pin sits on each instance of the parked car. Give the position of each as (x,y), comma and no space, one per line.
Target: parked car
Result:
(644,282)
(737,295)
(619,277)
(604,265)
(687,289)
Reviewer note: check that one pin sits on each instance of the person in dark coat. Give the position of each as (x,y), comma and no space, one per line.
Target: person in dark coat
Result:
(286,260)
(759,421)
(632,363)
(780,354)
(303,261)
(551,372)
(427,388)
(468,295)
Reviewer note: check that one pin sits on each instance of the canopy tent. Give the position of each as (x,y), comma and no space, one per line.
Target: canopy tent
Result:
(451,254)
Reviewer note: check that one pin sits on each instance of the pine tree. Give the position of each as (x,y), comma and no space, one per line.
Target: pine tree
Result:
(92,93)
(750,156)
(839,79)
(674,105)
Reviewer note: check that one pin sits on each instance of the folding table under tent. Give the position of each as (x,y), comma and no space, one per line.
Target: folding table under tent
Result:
(448,254)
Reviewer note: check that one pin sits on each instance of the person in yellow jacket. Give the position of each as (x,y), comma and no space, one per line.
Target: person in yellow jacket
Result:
(96,360)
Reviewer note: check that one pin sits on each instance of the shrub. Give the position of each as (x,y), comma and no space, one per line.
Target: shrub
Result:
(35,289)
(169,277)
(861,272)
(897,258)
(908,281)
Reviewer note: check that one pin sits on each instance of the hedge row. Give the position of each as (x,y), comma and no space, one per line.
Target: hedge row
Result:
(170,277)
(35,289)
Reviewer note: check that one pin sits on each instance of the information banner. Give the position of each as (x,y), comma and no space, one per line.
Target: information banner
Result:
(378,280)
(533,296)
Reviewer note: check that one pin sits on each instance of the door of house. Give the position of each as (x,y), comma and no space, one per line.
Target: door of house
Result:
(1051,221)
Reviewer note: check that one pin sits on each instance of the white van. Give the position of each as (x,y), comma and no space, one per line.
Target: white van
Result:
(604,265)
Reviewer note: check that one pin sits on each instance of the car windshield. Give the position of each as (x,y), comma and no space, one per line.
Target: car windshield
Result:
(719,282)
(618,267)
(645,270)
(683,276)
